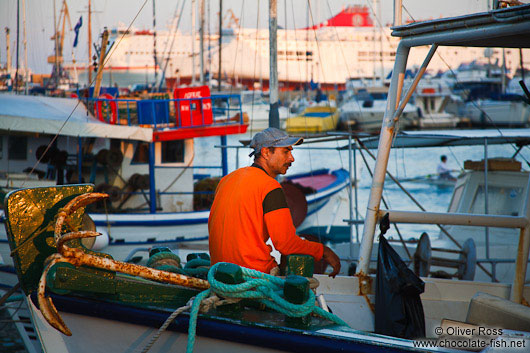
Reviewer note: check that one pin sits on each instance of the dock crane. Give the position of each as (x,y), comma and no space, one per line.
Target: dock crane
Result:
(58,73)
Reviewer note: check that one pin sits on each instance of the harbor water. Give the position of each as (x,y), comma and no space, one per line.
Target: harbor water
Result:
(404,163)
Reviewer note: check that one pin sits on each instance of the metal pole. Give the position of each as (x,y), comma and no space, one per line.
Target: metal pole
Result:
(210,74)
(193,20)
(25,41)
(274,118)
(381,55)
(350,198)
(415,82)
(8,51)
(18,44)
(152,186)
(397,13)
(487,233)
(374,64)
(102,55)
(89,29)
(224,155)
(154,45)
(356,194)
(237,158)
(464,219)
(383,152)
(220,43)
(201,38)
(521,262)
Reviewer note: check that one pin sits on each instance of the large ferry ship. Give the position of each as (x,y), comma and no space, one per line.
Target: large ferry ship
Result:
(347,46)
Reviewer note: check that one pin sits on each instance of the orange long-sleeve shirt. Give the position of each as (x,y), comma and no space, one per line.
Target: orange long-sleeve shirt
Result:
(249,207)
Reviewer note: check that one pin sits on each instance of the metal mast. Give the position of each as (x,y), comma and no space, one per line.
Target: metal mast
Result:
(274,118)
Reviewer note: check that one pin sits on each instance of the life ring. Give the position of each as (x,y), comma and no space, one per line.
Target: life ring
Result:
(103,106)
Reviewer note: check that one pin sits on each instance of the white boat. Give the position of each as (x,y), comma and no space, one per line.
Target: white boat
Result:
(432,96)
(365,108)
(125,312)
(153,190)
(510,112)
(482,99)
(257,107)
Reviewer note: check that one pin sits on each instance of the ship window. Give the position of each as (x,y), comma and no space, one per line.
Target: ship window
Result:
(141,153)
(17,148)
(173,151)
(501,200)
(455,200)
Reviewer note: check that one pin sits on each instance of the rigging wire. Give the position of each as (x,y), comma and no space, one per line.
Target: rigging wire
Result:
(173,36)
(251,121)
(474,103)
(328,102)
(239,31)
(299,64)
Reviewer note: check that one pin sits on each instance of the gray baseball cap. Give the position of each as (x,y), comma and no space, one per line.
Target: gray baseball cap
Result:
(272,137)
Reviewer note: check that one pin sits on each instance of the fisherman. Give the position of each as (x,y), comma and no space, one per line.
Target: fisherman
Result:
(250,207)
(444,172)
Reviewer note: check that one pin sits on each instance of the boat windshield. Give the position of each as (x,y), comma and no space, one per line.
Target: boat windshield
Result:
(502,200)
(365,95)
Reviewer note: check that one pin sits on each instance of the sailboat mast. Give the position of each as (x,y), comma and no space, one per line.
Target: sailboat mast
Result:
(381,54)
(8,51)
(89,28)
(102,55)
(220,42)
(209,45)
(26,77)
(201,39)
(397,13)
(193,20)
(274,118)
(154,44)
(18,42)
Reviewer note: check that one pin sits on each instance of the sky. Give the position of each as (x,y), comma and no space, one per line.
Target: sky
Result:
(252,13)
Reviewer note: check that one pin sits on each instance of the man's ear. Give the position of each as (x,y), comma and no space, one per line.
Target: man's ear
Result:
(265,153)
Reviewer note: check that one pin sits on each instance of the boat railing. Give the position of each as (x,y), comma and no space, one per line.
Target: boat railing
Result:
(477,220)
(160,112)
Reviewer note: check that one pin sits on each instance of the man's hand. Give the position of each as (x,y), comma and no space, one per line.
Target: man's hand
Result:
(331,258)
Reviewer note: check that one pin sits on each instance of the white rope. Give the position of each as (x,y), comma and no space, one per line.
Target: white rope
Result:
(209,303)
(166,324)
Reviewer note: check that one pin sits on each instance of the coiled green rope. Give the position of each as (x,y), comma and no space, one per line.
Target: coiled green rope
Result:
(265,288)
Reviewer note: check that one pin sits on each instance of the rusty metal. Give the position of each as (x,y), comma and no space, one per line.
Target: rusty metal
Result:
(76,235)
(78,257)
(365,283)
(365,288)
(74,205)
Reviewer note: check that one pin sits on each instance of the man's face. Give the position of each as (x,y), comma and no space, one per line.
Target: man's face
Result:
(280,160)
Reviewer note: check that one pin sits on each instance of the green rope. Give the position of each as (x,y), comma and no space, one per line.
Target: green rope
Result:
(197,263)
(265,288)
(194,268)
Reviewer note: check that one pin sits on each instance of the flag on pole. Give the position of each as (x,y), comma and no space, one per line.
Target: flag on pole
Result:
(76,29)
